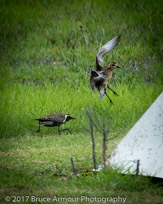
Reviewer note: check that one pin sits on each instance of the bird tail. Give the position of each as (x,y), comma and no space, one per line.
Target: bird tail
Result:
(102,93)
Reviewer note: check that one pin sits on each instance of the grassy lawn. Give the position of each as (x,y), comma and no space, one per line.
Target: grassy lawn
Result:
(47,49)
(40,166)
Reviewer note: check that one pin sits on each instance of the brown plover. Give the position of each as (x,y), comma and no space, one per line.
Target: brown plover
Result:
(99,79)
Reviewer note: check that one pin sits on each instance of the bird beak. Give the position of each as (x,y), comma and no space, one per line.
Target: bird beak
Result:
(117,67)
(73,118)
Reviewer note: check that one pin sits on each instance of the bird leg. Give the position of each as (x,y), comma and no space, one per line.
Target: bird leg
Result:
(38,128)
(112,90)
(62,130)
(109,98)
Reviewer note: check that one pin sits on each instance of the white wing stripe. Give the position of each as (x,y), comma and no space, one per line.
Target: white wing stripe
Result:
(65,118)
(100,76)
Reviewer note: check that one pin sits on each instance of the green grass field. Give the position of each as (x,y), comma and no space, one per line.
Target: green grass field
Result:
(47,49)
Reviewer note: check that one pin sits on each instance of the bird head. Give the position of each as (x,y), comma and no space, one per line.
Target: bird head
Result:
(112,65)
(69,117)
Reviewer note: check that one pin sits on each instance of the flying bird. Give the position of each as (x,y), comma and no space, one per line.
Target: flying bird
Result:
(54,119)
(99,79)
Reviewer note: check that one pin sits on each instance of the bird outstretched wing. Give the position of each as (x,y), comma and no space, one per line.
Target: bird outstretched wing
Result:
(104,50)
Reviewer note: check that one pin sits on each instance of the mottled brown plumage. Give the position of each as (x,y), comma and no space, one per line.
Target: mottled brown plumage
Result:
(99,79)
(54,119)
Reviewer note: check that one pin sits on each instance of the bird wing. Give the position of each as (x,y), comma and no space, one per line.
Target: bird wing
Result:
(104,50)
(97,76)
(55,117)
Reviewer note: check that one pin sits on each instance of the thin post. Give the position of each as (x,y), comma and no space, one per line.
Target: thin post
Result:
(93,145)
(91,125)
(137,167)
(73,166)
(104,149)
(104,144)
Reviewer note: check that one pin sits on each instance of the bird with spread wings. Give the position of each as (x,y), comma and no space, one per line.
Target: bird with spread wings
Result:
(99,79)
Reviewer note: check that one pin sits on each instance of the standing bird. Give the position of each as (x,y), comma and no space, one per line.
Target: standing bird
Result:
(54,119)
(99,78)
